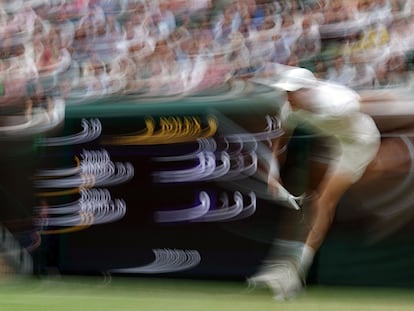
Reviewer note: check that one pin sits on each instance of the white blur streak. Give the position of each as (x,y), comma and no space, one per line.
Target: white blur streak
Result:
(260,188)
(94,207)
(39,122)
(167,261)
(96,168)
(272,131)
(91,130)
(243,160)
(248,209)
(206,169)
(185,214)
(39,117)
(58,172)
(204,144)
(235,164)
(203,212)
(17,255)
(227,212)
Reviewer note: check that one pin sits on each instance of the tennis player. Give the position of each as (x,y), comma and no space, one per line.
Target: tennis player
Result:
(334,112)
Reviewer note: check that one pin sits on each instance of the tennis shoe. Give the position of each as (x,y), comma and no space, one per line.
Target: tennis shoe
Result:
(281,277)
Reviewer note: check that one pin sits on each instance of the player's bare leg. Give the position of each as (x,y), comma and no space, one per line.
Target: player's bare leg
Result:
(330,192)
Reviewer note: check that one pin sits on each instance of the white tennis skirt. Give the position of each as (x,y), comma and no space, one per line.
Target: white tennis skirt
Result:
(353,153)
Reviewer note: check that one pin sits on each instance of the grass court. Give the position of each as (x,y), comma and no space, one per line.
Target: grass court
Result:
(158,294)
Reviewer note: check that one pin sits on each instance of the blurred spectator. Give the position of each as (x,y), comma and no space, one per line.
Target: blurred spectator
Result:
(198,9)
(113,27)
(319,69)
(365,75)
(374,37)
(282,50)
(110,7)
(336,11)
(183,38)
(309,42)
(340,72)
(165,20)
(396,70)
(226,23)
(314,11)
(402,35)
(382,12)
(290,31)
(66,29)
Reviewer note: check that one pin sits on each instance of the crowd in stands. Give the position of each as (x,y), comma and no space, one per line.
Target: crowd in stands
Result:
(81,48)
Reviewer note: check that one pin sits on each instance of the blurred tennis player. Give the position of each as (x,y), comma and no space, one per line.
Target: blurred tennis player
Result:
(334,112)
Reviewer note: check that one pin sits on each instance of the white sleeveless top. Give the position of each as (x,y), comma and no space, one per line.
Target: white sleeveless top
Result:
(334,111)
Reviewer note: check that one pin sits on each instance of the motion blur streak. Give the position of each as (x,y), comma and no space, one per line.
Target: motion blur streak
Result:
(172,130)
(91,130)
(167,261)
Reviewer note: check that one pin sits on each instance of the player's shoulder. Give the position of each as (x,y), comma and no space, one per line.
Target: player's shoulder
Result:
(334,99)
(333,91)
(333,86)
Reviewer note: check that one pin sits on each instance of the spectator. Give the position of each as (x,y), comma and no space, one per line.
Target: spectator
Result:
(309,41)
(290,31)
(340,72)
(226,24)
(365,75)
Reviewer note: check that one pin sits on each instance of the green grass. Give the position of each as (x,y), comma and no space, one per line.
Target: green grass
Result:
(124,294)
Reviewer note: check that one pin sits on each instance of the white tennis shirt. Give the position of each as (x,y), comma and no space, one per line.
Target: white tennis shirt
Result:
(334,111)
